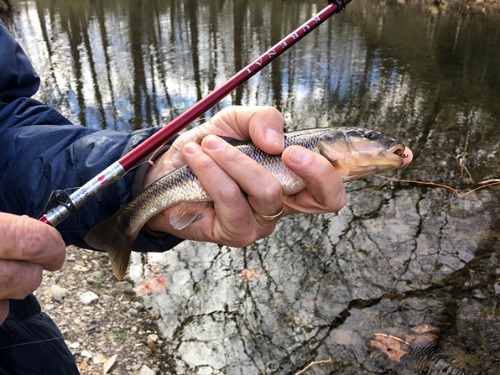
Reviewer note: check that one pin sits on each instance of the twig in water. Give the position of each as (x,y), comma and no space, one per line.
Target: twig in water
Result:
(489,183)
(393,337)
(329,360)
(461,160)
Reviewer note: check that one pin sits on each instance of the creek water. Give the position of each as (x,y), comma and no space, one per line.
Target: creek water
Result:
(405,279)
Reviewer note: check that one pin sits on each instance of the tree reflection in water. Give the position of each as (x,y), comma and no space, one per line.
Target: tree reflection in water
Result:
(396,258)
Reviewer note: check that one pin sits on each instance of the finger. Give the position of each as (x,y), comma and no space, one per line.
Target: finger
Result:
(266,130)
(4,310)
(264,192)
(324,191)
(232,222)
(215,181)
(262,125)
(18,279)
(27,239)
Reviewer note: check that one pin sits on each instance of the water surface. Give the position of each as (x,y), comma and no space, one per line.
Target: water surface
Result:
(400,257)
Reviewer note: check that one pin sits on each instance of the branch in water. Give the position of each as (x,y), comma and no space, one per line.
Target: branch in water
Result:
(487,183)
(329,360)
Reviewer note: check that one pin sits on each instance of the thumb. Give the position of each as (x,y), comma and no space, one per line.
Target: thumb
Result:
(24,238)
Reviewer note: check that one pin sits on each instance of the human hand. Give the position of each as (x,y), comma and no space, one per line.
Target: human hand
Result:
(242,190)
(28,247)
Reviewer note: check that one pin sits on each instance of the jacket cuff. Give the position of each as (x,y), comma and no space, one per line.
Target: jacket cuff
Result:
(148,240)
(140,171)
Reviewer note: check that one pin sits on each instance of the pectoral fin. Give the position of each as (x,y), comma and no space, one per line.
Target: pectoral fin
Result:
(185,214)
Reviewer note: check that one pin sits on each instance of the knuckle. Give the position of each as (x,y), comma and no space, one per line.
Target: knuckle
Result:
(33,240)
(229,157)
(28,239)
(268,229)
(58,258)
(205,163)
(246,236)
(271,192)
(230,194)
(6,282)
(260,231)
(247,239)
(268,112)
(338,203)
(31,282)
(342,200)
(247,233)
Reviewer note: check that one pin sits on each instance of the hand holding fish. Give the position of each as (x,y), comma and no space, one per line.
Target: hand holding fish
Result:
(246,196)
(205,189)
(28,247)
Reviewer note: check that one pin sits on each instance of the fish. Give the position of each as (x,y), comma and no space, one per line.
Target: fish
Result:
(362,152)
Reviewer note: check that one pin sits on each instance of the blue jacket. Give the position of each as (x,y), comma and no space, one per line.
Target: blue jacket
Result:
(42,151)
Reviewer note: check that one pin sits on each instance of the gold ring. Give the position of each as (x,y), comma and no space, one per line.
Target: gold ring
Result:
(272,217)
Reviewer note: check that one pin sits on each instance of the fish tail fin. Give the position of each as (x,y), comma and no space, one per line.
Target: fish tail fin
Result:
(109,236)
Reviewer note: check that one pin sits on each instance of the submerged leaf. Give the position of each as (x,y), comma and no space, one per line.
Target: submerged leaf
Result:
(152,285)
(394,347)
(250,274)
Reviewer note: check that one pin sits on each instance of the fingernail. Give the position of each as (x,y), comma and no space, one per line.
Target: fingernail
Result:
(191,148)
(275,137)
(214,143)
(299,156)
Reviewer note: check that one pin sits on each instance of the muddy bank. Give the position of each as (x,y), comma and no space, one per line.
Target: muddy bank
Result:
(103,321)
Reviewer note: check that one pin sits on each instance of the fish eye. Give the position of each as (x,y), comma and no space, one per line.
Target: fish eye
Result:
(329,137)
(371,135)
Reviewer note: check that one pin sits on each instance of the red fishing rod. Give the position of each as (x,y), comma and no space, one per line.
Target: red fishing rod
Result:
(70,203)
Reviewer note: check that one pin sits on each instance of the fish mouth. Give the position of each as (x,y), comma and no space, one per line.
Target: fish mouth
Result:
(364,154)
(398,149)
(378,160)
(392,158)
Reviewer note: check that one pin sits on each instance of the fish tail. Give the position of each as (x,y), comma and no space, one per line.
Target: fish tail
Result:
(109,236)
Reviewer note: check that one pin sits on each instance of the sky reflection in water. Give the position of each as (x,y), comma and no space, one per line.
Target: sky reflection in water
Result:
(397,257)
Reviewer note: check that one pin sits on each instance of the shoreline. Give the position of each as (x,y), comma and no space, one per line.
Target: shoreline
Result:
(464,8)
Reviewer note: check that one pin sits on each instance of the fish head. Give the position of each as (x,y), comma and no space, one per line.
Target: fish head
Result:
(362,152)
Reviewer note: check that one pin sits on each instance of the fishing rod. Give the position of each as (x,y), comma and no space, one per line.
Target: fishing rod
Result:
(69,204)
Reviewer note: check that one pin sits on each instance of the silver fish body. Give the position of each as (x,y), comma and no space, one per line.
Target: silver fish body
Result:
(362,152)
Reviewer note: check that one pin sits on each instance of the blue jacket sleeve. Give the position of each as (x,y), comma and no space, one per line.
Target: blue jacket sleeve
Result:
(42,151)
